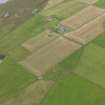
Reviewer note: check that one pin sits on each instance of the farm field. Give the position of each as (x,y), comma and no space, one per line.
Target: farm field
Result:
(59,10)
(87,66)
(13,78)
(87,33)
(74,90)
(37,90)
(41,40)
(54,52)
(39,62)
(83,17)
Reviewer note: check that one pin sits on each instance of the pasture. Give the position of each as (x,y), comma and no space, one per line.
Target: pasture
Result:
(92,64)
(100,41)
(74,90)
(100,3)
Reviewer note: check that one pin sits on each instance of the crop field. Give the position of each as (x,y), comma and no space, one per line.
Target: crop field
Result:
(48,60)
(71,7)
(41,40)
(85,29)
(89,31)
(83,17)
(47,57)
(37,90)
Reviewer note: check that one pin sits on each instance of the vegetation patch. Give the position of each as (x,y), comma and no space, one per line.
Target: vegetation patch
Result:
(101,3)
(100,40)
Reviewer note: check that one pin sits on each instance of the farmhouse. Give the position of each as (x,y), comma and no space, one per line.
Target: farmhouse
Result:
(62,29)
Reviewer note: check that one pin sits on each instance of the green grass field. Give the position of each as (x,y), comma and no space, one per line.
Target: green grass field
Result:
(92,64)
(74,90)
(100,41)
(101,3)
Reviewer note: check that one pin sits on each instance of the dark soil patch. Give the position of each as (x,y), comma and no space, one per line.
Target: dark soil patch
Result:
(2,56)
